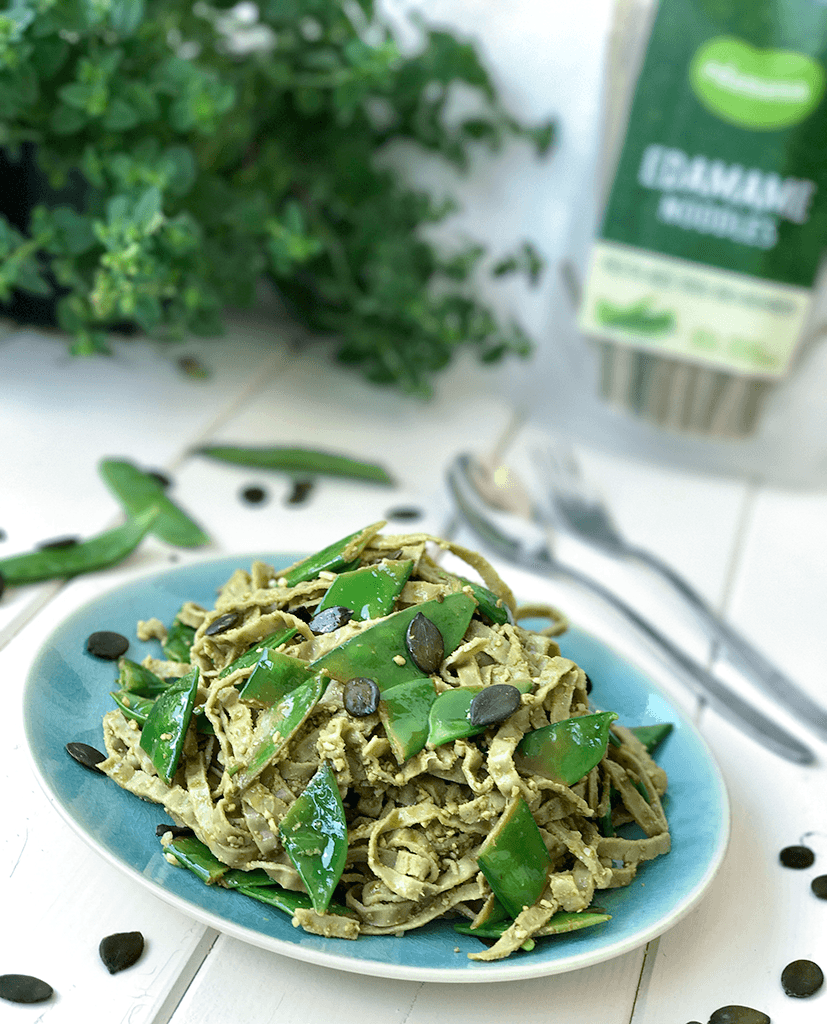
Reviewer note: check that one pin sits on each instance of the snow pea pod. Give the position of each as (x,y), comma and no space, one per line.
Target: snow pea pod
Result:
(369,591)
(514,858)
(565,751)
(274,676)
(314,834)
(178,642)
(138,491)
(133,705)
(276,725)
(564,921)
(651,736)
(339,556)
(298,460)
(379,652)
(97,552)
(404,712)
(138,679)
(191,853)
(274,640)
(162,736)
(448,718)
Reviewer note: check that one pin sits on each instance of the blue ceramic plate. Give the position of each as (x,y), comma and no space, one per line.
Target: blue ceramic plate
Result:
(68,692)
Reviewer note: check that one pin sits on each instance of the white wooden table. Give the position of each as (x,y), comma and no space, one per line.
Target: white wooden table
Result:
(758,553)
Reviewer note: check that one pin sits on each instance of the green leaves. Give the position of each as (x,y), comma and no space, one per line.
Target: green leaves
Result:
(212,165)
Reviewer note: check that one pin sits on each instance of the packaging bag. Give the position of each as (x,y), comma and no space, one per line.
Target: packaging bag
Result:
(692,317)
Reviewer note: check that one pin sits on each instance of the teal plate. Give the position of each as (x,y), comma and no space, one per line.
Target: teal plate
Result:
(67,694)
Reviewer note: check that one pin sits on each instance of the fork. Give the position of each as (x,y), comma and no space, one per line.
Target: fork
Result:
(573,507)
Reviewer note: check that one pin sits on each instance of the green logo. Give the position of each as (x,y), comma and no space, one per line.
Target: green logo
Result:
(758,89)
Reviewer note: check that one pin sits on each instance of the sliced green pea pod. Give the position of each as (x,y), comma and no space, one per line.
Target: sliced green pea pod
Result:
(238,878)
(275,675)
(651,736)
(191,853)
(277,724)
(372,652)
(448,719)
(370,591)
(564,921)
(404,711)
(282,899)
(514,858)
(98,552)
(162,736)
(565,751)
(274,640)
(489,605)
(133,705)
(340,556)
(298,460)
(179,639)
(138,491)
(138,679)
(314,834)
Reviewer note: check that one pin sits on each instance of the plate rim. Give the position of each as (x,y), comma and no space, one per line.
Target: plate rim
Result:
(488,972)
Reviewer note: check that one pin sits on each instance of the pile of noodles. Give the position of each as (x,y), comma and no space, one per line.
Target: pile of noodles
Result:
(414,829)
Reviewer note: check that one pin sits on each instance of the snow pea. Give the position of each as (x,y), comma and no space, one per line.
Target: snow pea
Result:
(277,724)
(191,853)
(298,460)
(448,718)
(133,705)
(97,552)
(274,676)
(196,856)
(369,591)
(563,921)
(514,858)
(138,679)
(162,736)
(314,834)
(340,556)
(274,640)
(372,653)
(404,711)
(651,736)
(490,606)
(565,751)
(179,639)
(138,491)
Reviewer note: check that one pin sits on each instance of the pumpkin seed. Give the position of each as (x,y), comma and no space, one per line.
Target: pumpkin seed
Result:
(300,492)
(121,950)
(107,645)
(360,696)
(802,978)
(494,704)
(86,755)
(796,857)
(222,624)
(178,831)
(738,1015)
(819,886)
(331,618)
(254,495)
(58,542)
(425,643)
(23,988)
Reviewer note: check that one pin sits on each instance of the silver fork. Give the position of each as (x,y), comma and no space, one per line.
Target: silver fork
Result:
(524,541)
(574,508)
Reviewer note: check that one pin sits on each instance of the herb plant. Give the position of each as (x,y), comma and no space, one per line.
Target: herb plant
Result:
(202,148)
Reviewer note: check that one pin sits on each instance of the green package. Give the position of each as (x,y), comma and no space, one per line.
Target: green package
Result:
(716,221)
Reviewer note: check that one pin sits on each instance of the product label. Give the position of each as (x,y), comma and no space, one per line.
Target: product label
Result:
(717,219)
